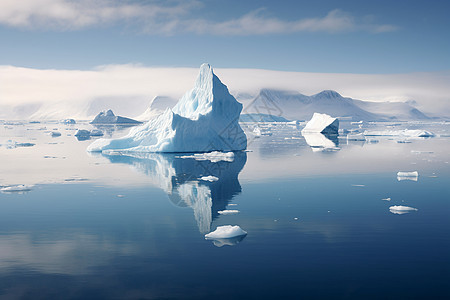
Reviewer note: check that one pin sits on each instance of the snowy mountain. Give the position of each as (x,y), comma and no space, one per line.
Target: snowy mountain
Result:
(296,106)
(157,106)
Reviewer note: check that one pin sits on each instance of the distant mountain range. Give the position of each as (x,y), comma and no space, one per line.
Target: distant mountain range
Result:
(295,106)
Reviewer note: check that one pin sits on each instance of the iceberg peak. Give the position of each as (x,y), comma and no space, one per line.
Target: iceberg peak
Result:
(205,119)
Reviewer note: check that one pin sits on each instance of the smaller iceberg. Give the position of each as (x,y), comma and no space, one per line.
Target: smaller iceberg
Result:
(228,212)
(209,178)
(400,209)
(16,188)
(225,232)
(322,123)
(107,117)
(55,133)
(408,176)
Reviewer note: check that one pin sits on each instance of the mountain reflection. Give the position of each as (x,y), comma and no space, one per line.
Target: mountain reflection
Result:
(181,179)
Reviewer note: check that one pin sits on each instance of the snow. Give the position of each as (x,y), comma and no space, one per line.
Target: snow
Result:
(209,178)
(214,156)
(17,188)
(322,123)
(109,118)
(400,209)
(228,212)
(226,232)
(205,119)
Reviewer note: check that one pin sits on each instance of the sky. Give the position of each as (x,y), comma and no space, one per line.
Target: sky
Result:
(351,36)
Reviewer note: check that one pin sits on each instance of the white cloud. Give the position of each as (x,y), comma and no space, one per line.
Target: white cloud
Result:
(174,17)
(128,89)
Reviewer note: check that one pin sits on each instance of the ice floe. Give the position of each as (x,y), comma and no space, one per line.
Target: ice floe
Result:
(400,209)
(408,176)
(225,232)
(416,133)
(228,212)
(209,178)
(214,156)
(16,188)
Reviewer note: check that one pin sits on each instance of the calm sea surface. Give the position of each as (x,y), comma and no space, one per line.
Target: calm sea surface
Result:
(132,227)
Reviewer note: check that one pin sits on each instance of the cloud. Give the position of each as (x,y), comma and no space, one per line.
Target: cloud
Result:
(128,89)
(169,18)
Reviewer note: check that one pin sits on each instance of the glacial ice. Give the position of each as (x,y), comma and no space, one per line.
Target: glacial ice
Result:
(228,212)
(322,123)
(214,156)
(225,232)
(209,178)
(400,209)
(205,119)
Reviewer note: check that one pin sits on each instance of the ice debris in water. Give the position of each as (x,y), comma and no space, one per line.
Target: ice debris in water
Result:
(225,232)
(16,188)
(209,178)
(322,123)
(228,212)
(214,156)
(386,199)
(205,119)
(55,133)
(413,176)
(400,209)
(416,133)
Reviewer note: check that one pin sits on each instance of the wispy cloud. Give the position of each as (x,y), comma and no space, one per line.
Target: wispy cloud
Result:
(169,18)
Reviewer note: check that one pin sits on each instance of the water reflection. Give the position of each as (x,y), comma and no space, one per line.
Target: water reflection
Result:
(181,179)
(321,142)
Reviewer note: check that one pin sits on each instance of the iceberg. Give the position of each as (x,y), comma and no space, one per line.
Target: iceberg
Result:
(228,212)
(225,232)
(16,188)
(107,117)
(205,119)
(400,209)
(209,178)
(322,123)
(413,176)
(55,133)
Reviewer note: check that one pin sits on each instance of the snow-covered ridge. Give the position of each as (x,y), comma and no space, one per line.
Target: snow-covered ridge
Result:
(205,119)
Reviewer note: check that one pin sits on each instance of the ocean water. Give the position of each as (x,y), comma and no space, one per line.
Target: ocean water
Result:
(92,226)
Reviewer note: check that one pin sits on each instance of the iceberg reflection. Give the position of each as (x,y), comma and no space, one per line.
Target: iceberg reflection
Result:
(181,179)
(321,142)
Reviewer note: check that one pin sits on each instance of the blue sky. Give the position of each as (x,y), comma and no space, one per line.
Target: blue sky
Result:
(307,36)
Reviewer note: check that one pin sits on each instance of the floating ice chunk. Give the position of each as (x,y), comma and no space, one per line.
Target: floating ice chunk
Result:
(16,188)
(406,133)
(386,199)
(228,242)
(209,178)
(408,174)
(322,123)
(228,212)
(205,119)
(356,137)
(68,121)
(55,133)
(214,156)
(400,209)
(96,132)
(83,133)
(225,232)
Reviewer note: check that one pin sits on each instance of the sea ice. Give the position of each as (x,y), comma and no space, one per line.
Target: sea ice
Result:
(228,212)
(400,209)
(205,119)
(413,176)
(209,178)
(214,156)
(322,123)
(16,188)
(225,232)
(404,133)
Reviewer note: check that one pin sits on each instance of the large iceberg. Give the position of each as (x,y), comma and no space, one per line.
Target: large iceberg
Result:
(322,123)
(205,119)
